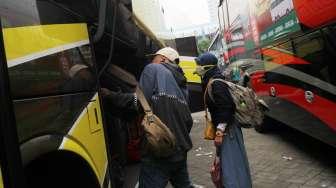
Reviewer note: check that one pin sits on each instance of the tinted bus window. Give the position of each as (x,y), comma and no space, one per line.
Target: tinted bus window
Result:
(17,13)
(55,114)
(330,48)
(311,48)
(63,72)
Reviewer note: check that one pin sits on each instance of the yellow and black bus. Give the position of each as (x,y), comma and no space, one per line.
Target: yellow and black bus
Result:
(52,53)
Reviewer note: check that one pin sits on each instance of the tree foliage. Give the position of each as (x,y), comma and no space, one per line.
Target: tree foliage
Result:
(203,45)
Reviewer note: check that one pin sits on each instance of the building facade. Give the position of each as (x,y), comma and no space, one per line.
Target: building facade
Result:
(151,12)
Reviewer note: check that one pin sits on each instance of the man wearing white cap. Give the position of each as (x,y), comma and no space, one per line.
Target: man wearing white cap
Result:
(164,54)
(164,86)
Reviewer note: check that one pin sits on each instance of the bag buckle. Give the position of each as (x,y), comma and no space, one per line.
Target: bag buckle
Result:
(150,118)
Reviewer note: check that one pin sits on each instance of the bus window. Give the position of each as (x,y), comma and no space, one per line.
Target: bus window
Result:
(330,48)
(16,13)
(311,48)
(40,67)
(63,72)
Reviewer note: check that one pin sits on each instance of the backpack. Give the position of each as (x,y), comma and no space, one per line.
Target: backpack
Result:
(248,109)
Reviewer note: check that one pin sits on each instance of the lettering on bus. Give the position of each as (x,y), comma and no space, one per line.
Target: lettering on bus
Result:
(284,26)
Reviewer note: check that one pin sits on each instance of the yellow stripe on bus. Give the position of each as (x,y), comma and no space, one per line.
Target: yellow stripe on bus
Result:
(24,41)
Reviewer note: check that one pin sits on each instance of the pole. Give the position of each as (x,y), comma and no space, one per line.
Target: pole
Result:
(227,11)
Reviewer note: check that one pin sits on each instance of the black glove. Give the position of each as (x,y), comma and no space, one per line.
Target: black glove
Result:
(118,101)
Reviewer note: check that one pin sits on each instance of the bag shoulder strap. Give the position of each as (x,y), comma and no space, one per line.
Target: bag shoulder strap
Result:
(130,79)
(204,101)
(208,90)
(123,75)
(209,86)
(143,101)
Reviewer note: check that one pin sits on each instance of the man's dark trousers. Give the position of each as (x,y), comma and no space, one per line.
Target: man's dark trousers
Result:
(154,174)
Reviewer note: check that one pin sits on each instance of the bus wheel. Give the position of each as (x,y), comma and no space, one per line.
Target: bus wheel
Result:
(60,169)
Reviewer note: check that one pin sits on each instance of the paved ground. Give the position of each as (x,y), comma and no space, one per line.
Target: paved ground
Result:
(281,158)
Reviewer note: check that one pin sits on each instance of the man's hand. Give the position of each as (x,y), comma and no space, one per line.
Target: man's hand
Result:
(104,92)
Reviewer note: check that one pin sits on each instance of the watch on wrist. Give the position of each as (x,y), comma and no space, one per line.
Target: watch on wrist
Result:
(221,126)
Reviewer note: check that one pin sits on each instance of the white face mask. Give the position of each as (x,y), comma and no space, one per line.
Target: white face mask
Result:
(201,70)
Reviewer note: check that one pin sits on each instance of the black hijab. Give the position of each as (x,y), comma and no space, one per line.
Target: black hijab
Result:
(212,73)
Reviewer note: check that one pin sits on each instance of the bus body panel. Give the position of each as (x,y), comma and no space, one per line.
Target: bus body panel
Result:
(314,13)
(74,126)
(188,64)
(293,115)
(87,131)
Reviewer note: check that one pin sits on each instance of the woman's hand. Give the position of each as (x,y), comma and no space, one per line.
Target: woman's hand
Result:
(219,138)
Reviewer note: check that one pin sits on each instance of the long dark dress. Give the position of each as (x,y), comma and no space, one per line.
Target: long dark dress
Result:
(234,162)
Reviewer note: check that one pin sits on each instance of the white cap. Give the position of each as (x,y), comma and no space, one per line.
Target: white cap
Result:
(169,53)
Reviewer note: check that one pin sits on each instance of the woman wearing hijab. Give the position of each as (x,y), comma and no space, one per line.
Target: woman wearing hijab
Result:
(229,140)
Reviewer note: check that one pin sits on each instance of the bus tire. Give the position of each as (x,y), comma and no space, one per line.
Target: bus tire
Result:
(264,126)
(60,169)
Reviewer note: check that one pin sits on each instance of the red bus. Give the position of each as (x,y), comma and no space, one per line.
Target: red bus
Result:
(297,52)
